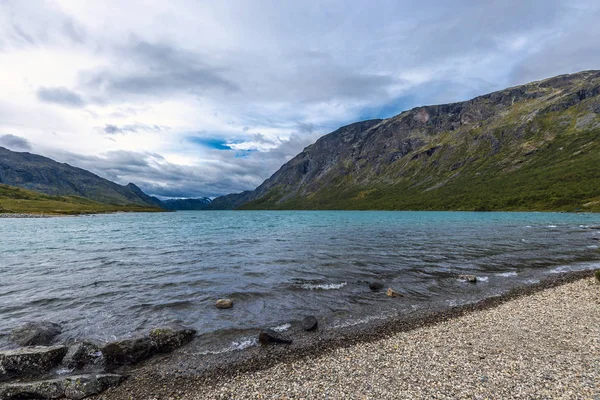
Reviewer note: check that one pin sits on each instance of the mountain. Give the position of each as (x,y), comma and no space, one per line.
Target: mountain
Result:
(41,174)
(187,204)
(17,200)
(529,147)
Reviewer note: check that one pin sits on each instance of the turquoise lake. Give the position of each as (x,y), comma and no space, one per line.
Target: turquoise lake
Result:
(105,277)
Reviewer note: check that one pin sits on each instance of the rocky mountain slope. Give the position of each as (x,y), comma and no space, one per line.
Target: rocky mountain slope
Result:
(187,204)
(41,174)
(530,147)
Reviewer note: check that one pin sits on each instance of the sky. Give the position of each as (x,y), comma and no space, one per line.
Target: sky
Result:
(205,98)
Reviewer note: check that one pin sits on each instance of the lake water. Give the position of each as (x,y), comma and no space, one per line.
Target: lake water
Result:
(106,277)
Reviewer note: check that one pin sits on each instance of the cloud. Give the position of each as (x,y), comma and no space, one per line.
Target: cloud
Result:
(61,96)
(15,143)
(112,129)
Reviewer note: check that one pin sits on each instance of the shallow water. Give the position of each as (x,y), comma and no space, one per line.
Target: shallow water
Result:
(110,276)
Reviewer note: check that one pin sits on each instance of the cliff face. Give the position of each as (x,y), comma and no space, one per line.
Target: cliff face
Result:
(535,146)
(41,174)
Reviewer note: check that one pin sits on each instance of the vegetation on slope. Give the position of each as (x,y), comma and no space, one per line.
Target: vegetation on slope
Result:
(17,200)
(533,147)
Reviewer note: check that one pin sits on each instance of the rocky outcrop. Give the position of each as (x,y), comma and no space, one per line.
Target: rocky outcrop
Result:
(30,361)
(375,286)
(269,336)
(35,333)
(164,340)
(83,356)
(392,293)
(468,278)
(73,387)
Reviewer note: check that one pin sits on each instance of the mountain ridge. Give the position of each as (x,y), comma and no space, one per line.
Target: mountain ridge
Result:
(489,152)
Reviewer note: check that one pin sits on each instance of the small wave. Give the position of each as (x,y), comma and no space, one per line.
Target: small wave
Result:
(593,246)
(551,226)
(483,278)
(324,286)
(507,274)
(242,344)
(281,328)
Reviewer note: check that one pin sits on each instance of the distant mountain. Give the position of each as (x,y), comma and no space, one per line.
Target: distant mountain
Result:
(529,147)
(187,204)
(41,174)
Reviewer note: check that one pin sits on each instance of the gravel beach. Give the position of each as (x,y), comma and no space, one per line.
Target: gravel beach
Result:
(538,345)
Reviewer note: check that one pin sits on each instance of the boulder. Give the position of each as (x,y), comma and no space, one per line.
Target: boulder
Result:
(169,338)
(128,351)
(84,355)
(30,361)
(269,336)
(468,278)
(35,333)
(224,303)
(73,387)
(309,323)
(374,286)
(392,293)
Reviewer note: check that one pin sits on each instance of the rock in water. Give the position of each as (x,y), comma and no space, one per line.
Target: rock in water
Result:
(392,293)
(35,333)
(84,355)
(468,278)
(30,361)
(169,338)
(269,336)
(74,387)
(224,303)
(374,286)
(309,323)
(128,351)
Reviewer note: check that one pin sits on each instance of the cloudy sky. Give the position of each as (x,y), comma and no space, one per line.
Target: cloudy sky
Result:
(203,98)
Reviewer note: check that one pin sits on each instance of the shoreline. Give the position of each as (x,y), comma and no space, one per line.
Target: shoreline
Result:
(168,374)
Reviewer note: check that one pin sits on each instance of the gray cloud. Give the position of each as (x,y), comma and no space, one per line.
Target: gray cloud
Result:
(112,129)
(61,96)
(15,143)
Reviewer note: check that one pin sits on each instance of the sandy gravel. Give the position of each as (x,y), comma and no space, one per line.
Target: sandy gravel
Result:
(541,346)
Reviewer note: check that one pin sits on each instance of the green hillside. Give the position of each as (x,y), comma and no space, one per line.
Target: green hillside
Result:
(17,200)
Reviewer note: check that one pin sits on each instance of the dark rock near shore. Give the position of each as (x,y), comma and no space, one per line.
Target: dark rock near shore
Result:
(269,336)
(468,278)
(310,323)
(374,286)
(35,333)
(84,355)
(128,351)
(73,387)
(169,338)
(30,361)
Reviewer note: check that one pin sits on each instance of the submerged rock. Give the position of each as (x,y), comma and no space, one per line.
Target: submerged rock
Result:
(374,286)
(73,387)
(468,278)
(310,323)
(83,356)
(30,361)
(224,303)
(392,293)
(269,336)
(169,338)
(128,351)
(35,333)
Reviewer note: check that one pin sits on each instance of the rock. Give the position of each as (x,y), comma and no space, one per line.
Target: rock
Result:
(128,351)
(224,303)
(30,361)
(83,356)
(392,293)
(468,278)
(374,286)
(73,387)
(35,333)
(169,338)
(269,336)
(309,323)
